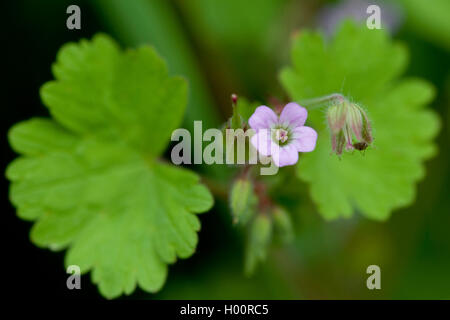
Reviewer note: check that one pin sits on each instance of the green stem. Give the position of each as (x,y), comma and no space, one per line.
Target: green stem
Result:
(315,103)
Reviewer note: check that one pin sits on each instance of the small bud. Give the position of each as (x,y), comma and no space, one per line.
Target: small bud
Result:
(261,230)
(236,119)
(242,200)
(258,242)
(283,225)
(234,99)
(349,125)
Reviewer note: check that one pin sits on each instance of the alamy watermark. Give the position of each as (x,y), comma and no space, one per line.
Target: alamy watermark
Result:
(74,280)
(374,20)
(74,20)
(228,146)
(374,280)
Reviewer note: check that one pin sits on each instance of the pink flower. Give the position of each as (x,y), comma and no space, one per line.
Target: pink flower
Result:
(282,137)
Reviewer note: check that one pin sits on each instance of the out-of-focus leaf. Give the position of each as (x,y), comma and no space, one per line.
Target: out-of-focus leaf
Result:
(247,35)
(429,19)
(364,65)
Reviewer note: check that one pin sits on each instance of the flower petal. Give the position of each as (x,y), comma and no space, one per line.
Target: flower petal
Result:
(293,115)
(262,118)
(304,139)
(285,156)
(262,142)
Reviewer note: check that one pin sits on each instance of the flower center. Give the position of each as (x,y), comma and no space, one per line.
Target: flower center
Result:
(281,135)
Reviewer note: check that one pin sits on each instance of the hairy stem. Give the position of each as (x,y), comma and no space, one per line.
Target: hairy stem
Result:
(315,103)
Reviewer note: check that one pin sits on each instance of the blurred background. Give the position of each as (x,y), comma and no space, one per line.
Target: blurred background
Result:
(221,47)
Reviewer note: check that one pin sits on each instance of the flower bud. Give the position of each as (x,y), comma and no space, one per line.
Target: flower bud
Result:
(236,121)
(350,127)
(234,99)
(258,242)
(242,200)
(283,225)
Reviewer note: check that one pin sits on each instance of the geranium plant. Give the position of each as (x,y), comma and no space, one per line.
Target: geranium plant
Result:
(94,180)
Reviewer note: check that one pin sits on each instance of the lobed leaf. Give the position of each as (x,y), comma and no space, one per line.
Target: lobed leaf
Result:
(365,65)
(91,178)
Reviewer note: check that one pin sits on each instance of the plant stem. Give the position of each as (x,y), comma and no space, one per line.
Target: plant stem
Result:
(315,103)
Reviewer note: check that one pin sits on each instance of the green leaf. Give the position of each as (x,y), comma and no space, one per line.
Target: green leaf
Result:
(91,178)
(365,65)
(430,20)
(157,22)
(99,90)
